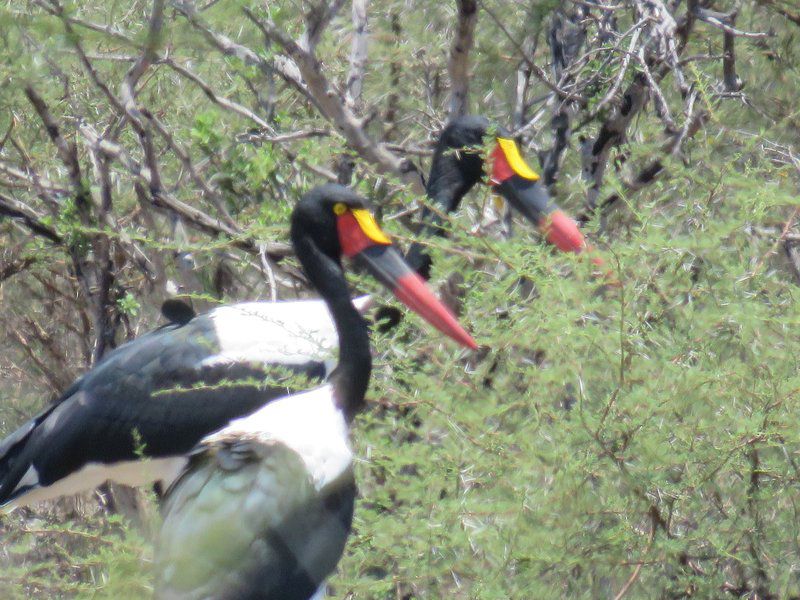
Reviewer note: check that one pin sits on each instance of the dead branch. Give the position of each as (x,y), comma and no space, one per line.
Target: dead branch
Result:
(317,19)
(535,69)
(724,21)
(458,63)
(14,209)
(731,80)
(335,109)
(595,153)
(358,53)
(234,107)
(9,268)
(286,69)
(67,152)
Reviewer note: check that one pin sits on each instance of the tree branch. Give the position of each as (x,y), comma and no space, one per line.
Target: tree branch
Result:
(458,63)
(14,209)
(336,111)
(358,53)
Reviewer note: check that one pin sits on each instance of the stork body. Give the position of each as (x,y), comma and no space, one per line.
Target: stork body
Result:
(264,506)
(159,394)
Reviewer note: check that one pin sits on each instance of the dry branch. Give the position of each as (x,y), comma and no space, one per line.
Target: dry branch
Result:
(458,63)
(334,108)
(358,53)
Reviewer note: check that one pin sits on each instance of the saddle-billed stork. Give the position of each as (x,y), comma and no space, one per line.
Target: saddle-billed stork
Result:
(458,164)
(158,395)
(263,507)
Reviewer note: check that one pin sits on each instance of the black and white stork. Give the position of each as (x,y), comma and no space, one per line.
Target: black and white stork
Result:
(157,396)
(263,507)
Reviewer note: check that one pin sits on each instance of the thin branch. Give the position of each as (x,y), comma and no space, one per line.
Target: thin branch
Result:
(724,22)
(67,152)
(283,137)
(535,69)
(729,77)
(216,99)
(317,19)
(16,265)
(595,154)
(334,108)
(286,69)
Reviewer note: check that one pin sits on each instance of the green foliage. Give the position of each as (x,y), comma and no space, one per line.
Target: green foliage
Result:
(643,433)
(129,305)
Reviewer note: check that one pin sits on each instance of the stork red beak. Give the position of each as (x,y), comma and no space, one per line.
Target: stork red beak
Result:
(361,239)
(515,181)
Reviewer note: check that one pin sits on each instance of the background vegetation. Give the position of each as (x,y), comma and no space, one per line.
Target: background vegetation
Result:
(633,441)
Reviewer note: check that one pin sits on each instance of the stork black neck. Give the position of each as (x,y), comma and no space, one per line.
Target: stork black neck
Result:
(456,167)
(351,376)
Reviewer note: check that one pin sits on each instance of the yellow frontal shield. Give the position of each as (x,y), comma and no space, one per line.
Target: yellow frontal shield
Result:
(515,160)
(368,225)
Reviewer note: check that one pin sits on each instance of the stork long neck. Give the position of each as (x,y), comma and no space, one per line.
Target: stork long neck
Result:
(453,174)
(351,376)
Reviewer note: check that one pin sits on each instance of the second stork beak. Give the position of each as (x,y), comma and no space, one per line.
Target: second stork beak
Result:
(362,240)
(515,181)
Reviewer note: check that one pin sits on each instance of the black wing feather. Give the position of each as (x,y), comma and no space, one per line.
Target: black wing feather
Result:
(151,397)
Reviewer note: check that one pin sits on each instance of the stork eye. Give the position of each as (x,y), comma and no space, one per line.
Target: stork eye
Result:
(339,209)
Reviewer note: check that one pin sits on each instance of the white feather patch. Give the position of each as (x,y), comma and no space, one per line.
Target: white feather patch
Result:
(288,333)
(138,472)
(309,423)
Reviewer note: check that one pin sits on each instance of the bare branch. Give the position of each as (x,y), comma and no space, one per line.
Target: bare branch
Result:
(67,152)
(626,58)
(285,68)
(651,172)
(458,63)
(283,137)
(334,108)
(566,37)
(535,69)
(317,19)
(731,80)
(595,153)
(9,268)
(146,58)
(358,53)
(724,21)
(15,209)
(191,215)
(54,8)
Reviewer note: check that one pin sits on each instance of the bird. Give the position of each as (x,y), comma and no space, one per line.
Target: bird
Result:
(462,149)
(263,507)
(133,416)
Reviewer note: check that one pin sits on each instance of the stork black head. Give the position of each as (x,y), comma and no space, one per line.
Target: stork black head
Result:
(315,217)
(332,221)
(458,164)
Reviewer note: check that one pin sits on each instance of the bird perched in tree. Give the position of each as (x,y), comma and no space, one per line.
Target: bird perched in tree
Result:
(157,396)
(458,164)
(262,508)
